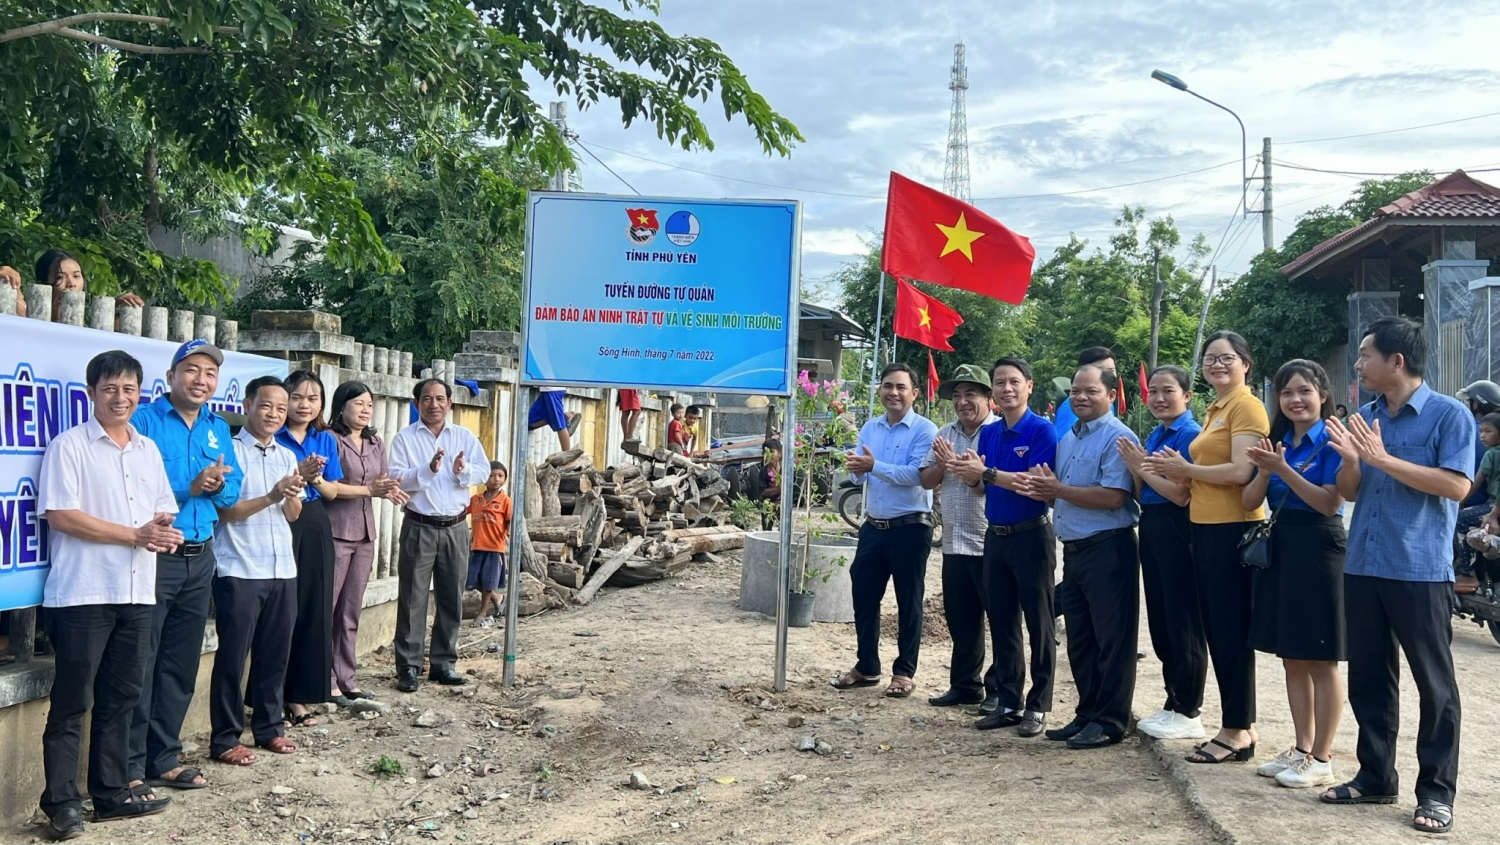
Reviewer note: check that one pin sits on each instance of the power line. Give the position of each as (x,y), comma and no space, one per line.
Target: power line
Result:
(882,196)
(1360,173)
(603,165)
(1387,131)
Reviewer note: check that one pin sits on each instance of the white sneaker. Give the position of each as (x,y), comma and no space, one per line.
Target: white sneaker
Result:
(1152,719)
(1309,771)
(1174,726)
(1285,760)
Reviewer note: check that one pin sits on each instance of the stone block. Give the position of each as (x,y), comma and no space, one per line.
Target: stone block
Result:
(270,341)
(102,313)
(309,321)
(488,341)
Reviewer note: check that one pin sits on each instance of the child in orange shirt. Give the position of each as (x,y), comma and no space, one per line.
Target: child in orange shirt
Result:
(490,515)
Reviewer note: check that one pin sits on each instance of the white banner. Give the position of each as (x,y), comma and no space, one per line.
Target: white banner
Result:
(42,394)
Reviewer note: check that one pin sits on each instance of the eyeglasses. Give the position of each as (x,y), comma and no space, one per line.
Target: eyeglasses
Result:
(1210,360)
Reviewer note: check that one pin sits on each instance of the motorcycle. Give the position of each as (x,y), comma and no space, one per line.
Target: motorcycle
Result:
(1474,596)
(848,500)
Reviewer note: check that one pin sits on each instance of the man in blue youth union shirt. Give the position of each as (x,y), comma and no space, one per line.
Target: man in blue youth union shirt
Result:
(1094,506)
(1408,457)
(205,476)
(896,535)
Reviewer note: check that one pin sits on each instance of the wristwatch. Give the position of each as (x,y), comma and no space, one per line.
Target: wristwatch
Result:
(989,476)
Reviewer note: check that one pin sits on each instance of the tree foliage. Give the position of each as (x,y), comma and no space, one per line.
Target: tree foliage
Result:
(125,115)
(1286,318)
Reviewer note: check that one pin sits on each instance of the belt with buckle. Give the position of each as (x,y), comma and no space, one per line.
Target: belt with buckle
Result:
(434,521)
(190,549)
(897,522)
(1019,527)
(1093,540)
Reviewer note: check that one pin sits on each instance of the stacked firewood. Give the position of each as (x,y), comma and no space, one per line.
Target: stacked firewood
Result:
(624,525)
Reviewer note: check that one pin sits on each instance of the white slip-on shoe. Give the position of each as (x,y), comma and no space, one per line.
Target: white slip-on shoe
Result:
(1309,771)
(1285,760)
(1153,718)
(1175,726)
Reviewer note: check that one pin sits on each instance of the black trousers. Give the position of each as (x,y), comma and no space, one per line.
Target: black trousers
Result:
(963,610)
(1380,614)
(1100,600)
(1172,612)
(254,618)
(1018,578)
(309,672)
(101,654)
(178,623)
(1225,590)
(896,555)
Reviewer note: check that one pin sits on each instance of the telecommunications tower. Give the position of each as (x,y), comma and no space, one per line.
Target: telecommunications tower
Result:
(956,167)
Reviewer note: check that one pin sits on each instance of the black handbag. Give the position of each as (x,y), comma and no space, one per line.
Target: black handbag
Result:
(1255,546)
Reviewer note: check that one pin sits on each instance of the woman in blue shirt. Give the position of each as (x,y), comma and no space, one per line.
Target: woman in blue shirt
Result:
(1298,613)
(1171,581)
(316,449)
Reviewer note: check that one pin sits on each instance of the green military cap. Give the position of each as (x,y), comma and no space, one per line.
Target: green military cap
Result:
(966,373)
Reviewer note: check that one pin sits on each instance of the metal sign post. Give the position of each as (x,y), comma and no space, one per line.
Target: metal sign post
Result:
(521,397)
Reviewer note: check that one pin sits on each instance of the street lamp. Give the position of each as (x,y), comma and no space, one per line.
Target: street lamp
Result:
(1168,79)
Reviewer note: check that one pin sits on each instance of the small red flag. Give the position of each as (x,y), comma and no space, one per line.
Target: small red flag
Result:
(935,238)
(924,319)
(932,378)
(1145,386)
(1120,401)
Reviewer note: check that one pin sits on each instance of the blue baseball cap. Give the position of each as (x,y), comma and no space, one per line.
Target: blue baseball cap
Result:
(198,347)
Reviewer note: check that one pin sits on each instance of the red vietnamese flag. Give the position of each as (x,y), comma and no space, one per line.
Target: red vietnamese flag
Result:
(935,238)
(1145,386)
(921,318)
(932,378)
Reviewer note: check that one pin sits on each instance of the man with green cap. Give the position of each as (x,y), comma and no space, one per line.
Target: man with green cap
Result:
(964,525)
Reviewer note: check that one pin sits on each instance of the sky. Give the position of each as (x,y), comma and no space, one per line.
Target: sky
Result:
(1061,103)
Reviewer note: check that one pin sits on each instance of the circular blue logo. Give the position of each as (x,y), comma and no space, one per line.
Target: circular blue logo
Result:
(682,228)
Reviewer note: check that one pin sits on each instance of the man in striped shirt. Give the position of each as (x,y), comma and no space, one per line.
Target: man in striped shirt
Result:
(964,525)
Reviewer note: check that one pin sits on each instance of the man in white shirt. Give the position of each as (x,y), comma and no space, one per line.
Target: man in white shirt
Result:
(255,583)
(436,463)
(109,506)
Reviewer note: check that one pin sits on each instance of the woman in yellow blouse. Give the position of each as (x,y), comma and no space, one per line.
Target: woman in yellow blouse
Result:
(1219,470)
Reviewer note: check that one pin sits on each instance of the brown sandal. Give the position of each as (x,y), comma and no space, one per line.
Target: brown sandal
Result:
(279,745)
(852,679)
(237,756)
(900,687)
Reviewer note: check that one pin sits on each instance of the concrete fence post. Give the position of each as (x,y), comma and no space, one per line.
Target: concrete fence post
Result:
(154,322)
(102,313)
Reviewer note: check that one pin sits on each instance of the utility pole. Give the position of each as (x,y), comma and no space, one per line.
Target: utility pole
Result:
(1267,222)
(558,112)
(1156,294)
(1213,282)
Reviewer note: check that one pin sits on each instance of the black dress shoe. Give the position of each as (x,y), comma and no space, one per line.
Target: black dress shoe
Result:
(1093,736)
(953,698)
(1032,724)
(990,704)
(1068,731)
(138,806)
(999,719)
(341,700)
(65,824)
(447,677)
(406,679)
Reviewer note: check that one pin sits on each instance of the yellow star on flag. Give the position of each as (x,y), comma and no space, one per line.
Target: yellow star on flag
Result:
(960,238)
(643,219)
(926,318)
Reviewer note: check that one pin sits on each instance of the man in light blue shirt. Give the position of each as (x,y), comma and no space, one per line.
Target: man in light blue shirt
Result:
(897,532)
(1407,460)
(1095,511)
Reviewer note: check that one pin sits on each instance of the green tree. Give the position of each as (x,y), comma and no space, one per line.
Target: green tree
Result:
(1286,318)
(122,116)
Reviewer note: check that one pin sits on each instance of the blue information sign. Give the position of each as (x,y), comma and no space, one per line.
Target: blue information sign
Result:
(656,292)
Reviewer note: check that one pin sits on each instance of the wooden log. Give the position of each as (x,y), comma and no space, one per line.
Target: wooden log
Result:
(624,473)
(576,482)
(532,507)
(717,488)
(609,568)
(560,459)
(595,522)
(533,563)
(683,533)
(553,551)
(561,592)
(634,487)
(564,521)
(568,502)
(569,575)
(547,478)
(571,535)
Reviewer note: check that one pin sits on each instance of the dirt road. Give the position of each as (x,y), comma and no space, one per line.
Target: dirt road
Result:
(673,681)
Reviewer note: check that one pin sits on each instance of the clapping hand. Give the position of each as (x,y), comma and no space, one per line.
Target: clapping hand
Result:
(437,461)
(158,535)
(1269,458)
(459,465)
(289,487)
(1038,483)
(1168,462)
(211,479)
(969,467)
(389,489)
(311,467)
(860,462)
(943,451)
(1357,440)
(1133,453)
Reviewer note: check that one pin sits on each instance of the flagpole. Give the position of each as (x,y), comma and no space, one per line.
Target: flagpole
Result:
(875,357)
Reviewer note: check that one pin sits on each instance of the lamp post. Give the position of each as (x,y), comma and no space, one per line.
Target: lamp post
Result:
(1168,79)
